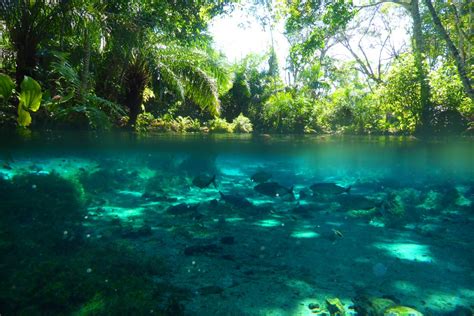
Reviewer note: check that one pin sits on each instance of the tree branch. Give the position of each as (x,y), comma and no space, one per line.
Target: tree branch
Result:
(460,65)
(406,5)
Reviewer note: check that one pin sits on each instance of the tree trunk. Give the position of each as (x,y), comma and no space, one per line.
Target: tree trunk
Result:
(134,100)
(419,52)
(25,61)
(86,65)
(460,65)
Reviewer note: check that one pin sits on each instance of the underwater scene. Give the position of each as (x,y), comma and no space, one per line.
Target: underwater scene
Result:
(229,225)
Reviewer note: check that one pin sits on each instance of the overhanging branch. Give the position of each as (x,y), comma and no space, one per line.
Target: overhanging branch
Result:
(406,5)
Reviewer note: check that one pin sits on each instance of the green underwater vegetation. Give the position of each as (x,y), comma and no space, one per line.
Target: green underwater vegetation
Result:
(55,266)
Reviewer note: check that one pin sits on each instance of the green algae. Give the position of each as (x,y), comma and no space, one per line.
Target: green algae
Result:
(54,267)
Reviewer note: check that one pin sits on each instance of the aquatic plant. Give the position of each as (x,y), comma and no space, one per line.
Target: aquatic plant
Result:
(107,180)
(101,278)
(48,203)
(393,209)
(42,230)
(161,182)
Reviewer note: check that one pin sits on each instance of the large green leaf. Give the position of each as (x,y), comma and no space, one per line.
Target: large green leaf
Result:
(30,95)
(6,86)
(24,117)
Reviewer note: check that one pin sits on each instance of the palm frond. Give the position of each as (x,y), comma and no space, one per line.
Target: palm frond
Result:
(67,73)
(216,66)
(193,74)
(201,89)
(173,81)
(104,105)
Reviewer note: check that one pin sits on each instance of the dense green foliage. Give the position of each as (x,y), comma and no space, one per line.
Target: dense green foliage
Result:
(150,65)
(55,267)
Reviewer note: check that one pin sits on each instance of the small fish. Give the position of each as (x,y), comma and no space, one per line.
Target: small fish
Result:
(273,189)
(182,208)
(337,233)
(236,200)
(204,180)
(332,235)
(261,177)
(326,188)
(7,166)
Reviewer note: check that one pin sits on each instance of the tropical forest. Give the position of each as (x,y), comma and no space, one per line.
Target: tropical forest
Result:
(153,66)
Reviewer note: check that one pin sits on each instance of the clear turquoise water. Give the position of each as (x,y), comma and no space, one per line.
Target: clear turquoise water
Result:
(413,244)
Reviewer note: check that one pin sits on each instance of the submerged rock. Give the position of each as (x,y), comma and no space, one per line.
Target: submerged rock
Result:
(201,249)
(152,197)
(182,208)
(314,307)
(401,311)
(326,188)
(362,213)
(136,232)
(335,307)
(393,209)
(461,311)
(372,306)
(378,306)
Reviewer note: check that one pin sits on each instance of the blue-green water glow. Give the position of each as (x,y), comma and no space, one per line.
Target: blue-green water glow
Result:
(95,224)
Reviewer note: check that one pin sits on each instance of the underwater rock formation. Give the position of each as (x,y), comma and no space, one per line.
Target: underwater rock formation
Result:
(393,209)
(378,306)
(335,307)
